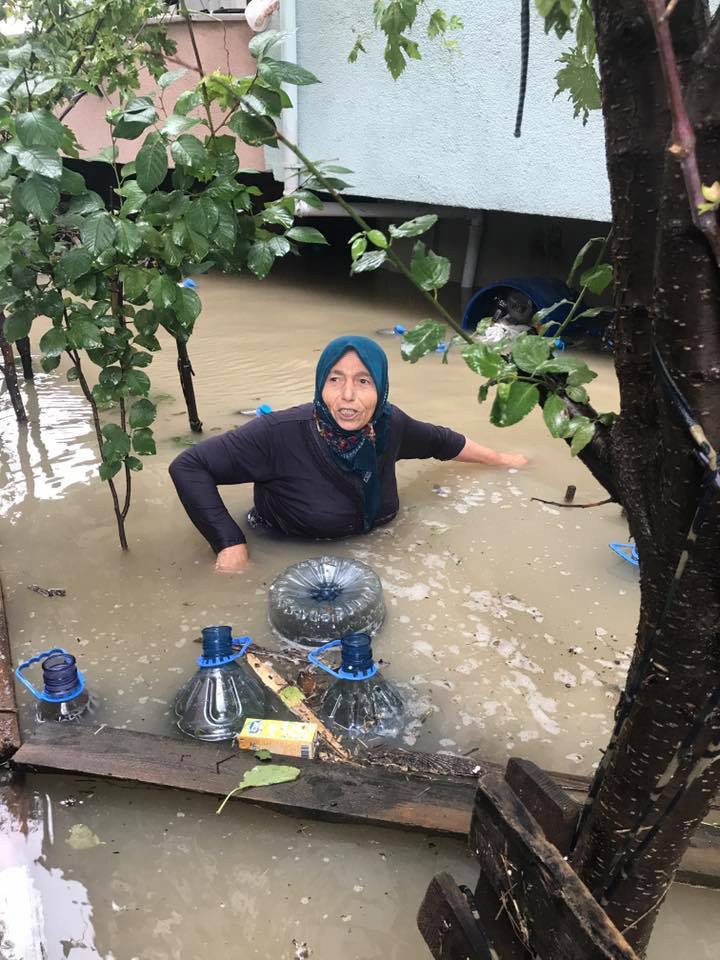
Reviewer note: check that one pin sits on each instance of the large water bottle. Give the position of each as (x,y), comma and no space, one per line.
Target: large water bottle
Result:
(64,695)
(216,701)
(360,706)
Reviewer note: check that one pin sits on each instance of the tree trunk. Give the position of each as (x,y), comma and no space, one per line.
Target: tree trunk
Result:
(657,776)
(8,365)
(186,374)
(23,348)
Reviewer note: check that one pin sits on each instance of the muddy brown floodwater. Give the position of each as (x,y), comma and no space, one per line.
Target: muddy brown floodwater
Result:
(510,628)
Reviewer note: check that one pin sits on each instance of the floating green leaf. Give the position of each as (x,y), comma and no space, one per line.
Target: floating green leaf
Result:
(82,837)
(292,696)
(263,776)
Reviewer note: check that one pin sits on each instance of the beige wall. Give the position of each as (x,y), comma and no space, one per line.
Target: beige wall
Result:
(223,45)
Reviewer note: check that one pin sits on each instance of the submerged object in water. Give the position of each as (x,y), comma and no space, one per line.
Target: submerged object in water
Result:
(397,331)
(361,704)
(320,599)
(628,551)
(215,702)
(64,695)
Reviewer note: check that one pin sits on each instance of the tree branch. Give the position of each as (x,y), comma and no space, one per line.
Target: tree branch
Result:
(682,145)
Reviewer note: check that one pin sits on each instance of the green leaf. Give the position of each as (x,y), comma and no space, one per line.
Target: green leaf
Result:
(260,258)
(42,160)
(582,437)
(262,42)
(429,271)
(529,351)
(188,151)
(86,203)
(133,463)
(378,238)
(275,72)
(578,394)
(53,342)
(39,196)
(142,413)
(117,443)
(415,227)
(128,237)
(226,231)
(358,246)
(263,755)
(151,164)
(39,128)
(134,198)
(585,30)
(84,335)
(369,261)
(49,363)
(137,116)
(17,325)
(138,384)
(143,442)
(162,291)
(291,696)
(305,235)
(263,776)
(135,282)
(71,183)
(171,77)
(73,264)
(98,233)
(556,416)
(187,306)
(513,402)
(483,392)
(597,278)
(277,213)
(253,130)
(482,359)
(108,470)
(578,79)
(202,216)
(186,102)
(176,124)
(278,246)
(582,374)
(421,340)
(82,837)
(582,253)
(559,364)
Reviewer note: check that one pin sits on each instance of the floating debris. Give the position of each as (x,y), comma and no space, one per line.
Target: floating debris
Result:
(48,591)
(81,837)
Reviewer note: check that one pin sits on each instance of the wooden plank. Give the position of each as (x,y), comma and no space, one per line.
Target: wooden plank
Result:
(333,791)
(534,882)
(495,922)
(447,924)
(9,725)
(555,811)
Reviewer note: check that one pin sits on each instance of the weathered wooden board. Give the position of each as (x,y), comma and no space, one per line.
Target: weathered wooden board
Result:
(9,726)
(535,882)
(555,811)
(333,791)
(447,924)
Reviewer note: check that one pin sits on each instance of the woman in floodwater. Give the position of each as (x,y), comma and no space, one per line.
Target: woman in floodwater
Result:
(321,470)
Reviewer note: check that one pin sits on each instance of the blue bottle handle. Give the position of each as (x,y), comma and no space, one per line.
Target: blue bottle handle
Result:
(40,694)
(240,645)
(314,658)
(627,551)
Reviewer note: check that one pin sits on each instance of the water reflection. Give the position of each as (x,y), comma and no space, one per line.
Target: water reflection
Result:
(43,914)
(53,450)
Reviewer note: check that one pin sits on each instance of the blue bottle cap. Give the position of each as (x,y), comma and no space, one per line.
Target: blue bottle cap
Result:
(559,345)
(188,282)
(399,329)
(441,347)
(263,408)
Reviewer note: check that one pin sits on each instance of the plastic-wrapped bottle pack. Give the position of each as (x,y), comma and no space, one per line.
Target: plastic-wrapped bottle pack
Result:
(317,600)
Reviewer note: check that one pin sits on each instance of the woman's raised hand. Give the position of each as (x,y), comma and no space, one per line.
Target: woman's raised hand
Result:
(233,559)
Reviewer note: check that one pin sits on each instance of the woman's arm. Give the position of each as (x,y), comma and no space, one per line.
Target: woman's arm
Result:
(239,456)
(475,453)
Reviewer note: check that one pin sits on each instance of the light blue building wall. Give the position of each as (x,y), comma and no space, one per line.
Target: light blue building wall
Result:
(443,132)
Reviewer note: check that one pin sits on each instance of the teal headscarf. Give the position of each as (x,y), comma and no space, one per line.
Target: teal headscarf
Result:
(357,451)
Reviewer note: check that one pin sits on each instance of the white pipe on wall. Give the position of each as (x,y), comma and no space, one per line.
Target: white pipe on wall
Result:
(289,117)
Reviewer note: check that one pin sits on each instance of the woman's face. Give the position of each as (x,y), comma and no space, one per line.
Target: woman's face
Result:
(349,393)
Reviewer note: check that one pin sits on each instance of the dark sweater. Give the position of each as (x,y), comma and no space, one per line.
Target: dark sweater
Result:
(299,488)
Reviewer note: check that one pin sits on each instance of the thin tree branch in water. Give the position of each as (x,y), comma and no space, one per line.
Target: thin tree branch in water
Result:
(576,506)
